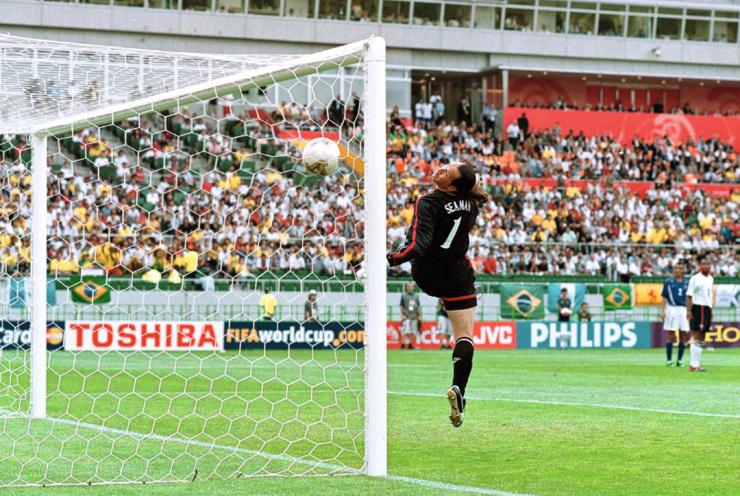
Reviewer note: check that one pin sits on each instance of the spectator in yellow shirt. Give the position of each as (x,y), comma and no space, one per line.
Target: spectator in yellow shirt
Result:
(268,303)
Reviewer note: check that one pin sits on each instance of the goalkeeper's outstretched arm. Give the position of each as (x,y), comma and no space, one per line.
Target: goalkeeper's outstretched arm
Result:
(419,235)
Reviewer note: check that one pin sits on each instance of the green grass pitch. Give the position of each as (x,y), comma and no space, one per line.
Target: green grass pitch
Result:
(542,422)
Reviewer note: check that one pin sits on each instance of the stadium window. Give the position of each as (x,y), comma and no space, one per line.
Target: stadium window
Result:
(398,93)
(264,7)
(487,17)
(668,28)
(698,13)
(696,30)
(333,9)
(164,4)
(640,27)
(611,24)
(96,2)
(725,31)
(726,15)
(364,11)
(129,3)
(427,14)
(582,23)
(298,8)
(551,21)
(230,6)
(457,16)
(395,12)
(519,20)
(196,4)
(583,5)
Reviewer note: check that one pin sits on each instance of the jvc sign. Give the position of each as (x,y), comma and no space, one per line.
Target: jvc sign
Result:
(486,335)
(583,335)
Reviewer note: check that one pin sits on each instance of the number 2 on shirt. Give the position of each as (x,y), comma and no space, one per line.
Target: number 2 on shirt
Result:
(451,236)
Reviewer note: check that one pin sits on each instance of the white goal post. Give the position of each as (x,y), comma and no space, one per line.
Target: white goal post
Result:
(31,107)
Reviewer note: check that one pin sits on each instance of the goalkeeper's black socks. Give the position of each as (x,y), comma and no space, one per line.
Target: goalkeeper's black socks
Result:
(669,351)
(462,363)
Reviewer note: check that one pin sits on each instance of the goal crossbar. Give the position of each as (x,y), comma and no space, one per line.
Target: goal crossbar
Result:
(240,82)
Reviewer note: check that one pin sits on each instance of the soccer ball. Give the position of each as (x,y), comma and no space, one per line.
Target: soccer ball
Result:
(321,156)
(566,312)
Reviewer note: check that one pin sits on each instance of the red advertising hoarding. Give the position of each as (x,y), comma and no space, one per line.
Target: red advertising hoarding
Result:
(486,335)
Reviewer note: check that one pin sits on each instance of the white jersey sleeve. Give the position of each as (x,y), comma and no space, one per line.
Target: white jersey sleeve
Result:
(692,286)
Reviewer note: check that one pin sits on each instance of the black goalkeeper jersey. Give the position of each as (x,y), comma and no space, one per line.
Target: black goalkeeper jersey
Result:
(439,229)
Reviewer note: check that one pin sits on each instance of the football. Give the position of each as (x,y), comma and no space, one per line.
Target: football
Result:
(321,156)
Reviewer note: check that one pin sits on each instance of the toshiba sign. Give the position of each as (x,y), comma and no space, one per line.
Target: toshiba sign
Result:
(125,335)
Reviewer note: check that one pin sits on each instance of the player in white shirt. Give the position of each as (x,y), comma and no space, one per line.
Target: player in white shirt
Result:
(699,302)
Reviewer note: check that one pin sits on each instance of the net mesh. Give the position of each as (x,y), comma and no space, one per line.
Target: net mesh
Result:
(184,243)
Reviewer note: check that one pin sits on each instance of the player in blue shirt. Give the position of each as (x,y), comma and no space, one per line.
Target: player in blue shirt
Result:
(673,314)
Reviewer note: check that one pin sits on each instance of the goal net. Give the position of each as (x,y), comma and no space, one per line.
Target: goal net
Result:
(182,299)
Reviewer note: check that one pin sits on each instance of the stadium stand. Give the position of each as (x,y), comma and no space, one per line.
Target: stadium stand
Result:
(161,196)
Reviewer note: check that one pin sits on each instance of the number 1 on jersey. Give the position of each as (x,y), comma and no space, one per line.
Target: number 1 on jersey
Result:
(451,236)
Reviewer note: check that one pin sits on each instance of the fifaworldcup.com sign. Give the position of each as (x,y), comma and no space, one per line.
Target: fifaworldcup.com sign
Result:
(294,335)
(583,335)
(121,335)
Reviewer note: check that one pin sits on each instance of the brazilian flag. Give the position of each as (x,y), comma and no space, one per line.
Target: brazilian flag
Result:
(90,291)
(522,301)
(617,296)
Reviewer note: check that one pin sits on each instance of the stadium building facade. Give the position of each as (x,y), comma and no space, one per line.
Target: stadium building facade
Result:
(636,52)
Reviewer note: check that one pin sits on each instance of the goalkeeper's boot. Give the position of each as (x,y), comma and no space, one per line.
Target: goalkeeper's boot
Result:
(457,405)
(697,369)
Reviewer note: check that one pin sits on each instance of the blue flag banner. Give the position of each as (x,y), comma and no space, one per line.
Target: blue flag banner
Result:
(51,291)
(576,293)
(17,292)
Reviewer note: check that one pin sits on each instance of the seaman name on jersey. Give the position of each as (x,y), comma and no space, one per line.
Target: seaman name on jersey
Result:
(457,205)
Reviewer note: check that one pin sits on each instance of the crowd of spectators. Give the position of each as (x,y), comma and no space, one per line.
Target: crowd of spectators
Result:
(189,217)
(561,104)
(559,154)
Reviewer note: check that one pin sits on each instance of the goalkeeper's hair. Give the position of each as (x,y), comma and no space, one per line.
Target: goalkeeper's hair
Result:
(468,184)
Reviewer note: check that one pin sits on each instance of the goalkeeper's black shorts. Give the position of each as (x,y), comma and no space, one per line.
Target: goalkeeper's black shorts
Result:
(451,280)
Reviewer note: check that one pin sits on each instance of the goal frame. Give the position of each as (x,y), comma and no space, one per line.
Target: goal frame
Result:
(375,408)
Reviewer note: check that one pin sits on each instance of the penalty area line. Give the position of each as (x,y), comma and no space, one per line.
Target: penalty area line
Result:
(573,403)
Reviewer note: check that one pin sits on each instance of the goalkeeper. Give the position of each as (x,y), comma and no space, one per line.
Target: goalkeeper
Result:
(436,244)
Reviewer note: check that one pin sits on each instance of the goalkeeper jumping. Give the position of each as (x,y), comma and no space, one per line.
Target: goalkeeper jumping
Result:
(436,244)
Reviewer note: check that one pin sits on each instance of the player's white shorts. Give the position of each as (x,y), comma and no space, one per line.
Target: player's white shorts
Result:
(675,319)
(444,326)
(410,327)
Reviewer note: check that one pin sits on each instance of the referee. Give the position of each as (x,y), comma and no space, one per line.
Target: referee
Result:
(699,299)
(673,314)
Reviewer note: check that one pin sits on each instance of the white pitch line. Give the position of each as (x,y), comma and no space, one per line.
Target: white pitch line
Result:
(442,486)
(200,444)
(571,403)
